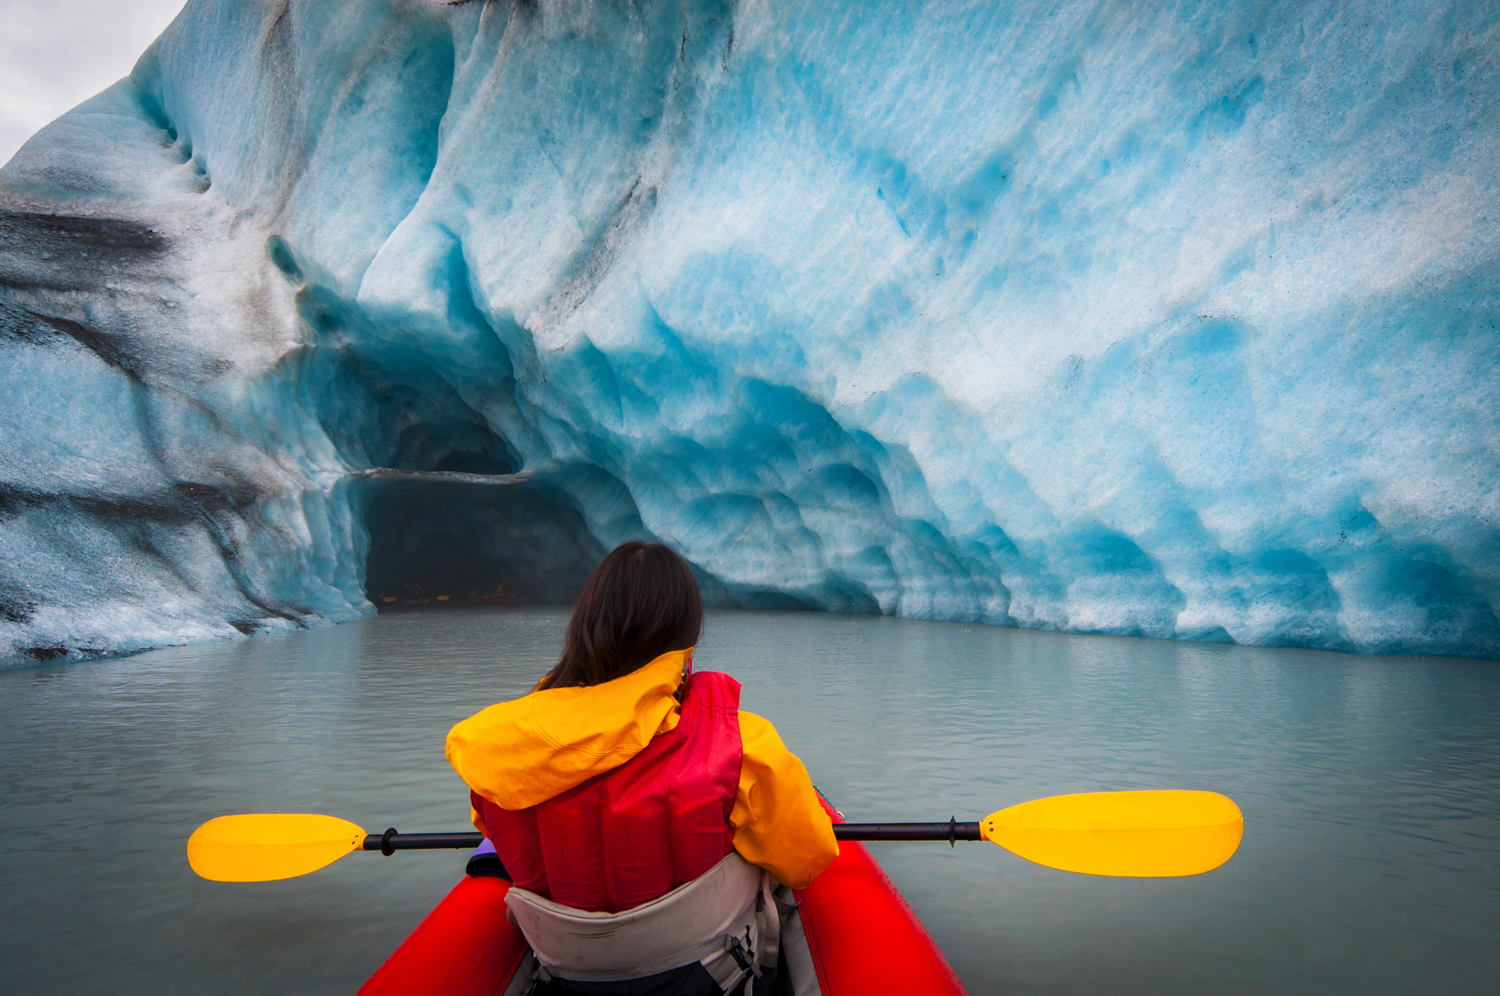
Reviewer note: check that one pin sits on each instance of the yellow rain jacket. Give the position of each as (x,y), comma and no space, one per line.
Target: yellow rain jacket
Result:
(521,753)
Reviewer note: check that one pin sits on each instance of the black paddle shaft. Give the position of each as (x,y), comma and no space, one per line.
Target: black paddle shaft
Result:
(950,831)
(391,841)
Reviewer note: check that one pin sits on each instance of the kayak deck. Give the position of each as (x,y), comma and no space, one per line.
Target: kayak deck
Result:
(860,937)
(465,947)
(863,936)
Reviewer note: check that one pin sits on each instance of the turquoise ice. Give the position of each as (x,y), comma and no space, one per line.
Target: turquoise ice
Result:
(1174,321)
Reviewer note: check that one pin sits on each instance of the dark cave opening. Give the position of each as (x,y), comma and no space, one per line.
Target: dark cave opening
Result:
(437,539)
(448,518)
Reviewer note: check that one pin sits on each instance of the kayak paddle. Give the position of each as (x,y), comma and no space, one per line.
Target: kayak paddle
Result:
(1157,834)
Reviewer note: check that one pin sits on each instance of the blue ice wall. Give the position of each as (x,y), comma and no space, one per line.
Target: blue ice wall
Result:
(1173,321)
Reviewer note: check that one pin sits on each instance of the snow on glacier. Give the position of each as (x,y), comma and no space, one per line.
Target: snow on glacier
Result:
(1175,322)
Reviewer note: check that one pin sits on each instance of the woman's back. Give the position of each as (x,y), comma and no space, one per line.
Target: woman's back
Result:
(634,832)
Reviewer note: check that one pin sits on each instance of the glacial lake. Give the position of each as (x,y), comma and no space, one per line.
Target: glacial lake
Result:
(1370,788)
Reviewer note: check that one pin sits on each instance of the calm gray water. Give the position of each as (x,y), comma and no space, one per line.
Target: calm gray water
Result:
(1370,787)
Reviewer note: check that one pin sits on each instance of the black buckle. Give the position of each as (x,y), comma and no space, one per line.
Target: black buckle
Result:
(741,953)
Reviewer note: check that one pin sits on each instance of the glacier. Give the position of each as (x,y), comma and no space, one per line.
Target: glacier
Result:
(1101,317)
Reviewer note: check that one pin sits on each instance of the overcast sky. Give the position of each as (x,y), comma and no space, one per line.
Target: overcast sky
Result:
(55,54)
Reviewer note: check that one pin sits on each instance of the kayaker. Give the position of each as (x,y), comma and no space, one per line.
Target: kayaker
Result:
(644,820)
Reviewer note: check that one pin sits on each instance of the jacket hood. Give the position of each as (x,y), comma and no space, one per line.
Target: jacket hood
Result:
(521,753)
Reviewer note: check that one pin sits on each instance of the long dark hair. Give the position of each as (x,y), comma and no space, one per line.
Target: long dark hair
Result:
(641,602)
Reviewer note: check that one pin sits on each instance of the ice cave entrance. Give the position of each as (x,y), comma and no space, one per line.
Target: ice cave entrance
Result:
(469,535)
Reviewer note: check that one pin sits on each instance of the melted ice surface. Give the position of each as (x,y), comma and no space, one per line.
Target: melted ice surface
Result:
(1088,317)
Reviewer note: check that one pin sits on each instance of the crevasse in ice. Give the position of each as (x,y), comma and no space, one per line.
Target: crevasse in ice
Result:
(1172,321)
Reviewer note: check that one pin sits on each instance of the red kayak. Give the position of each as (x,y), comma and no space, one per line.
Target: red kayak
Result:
(860,938)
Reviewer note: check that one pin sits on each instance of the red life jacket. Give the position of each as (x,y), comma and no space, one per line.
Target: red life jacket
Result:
(638,831)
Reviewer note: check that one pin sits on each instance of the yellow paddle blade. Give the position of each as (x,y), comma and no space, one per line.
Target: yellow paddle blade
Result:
(260,847)
(1142,834)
